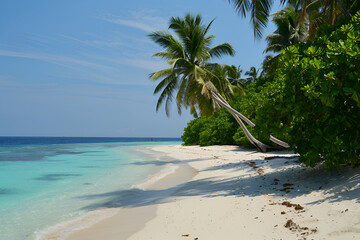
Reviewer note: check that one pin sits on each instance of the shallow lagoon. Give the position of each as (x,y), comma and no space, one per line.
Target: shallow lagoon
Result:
(44,184)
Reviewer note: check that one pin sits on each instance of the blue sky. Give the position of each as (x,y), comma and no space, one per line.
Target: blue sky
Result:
(80,68)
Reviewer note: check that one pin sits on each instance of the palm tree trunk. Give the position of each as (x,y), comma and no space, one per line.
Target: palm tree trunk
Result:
(220,101)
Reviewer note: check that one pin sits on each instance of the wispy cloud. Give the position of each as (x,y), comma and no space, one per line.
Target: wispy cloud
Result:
(151,65)
(142,20)
(139,62)
(114,57)
(57,59)
(115,91)
(93,42)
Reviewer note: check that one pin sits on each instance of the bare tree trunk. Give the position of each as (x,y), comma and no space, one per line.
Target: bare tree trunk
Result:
(220,101)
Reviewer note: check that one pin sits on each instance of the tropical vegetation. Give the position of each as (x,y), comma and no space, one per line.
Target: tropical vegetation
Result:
(189,75)
(317,11)
(199,84)
(307,91)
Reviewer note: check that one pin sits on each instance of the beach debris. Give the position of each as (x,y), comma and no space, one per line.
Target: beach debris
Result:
(291,225)
(287,187)
(253,164)
(196,238)
(297,207)
(276,181)
(282,213)
(283,157)
(287,184)
(185,235)
(257,169)
(286,190)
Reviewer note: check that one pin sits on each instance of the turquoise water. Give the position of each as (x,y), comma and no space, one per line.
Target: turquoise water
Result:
(42,185)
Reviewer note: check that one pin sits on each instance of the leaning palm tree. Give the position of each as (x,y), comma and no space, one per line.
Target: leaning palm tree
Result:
(192,78)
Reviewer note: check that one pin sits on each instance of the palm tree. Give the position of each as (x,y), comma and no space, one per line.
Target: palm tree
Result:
(328,11)
(234,76)
(189,72)
(197,82)
(269,65)
(290,29)
(259,10)
(253,74)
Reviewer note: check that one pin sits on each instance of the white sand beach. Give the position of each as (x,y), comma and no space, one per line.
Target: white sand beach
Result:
(226,192)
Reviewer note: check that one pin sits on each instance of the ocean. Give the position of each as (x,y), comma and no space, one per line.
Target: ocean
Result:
(48,180)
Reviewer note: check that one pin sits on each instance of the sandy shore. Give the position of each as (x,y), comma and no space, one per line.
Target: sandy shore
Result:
(225,192)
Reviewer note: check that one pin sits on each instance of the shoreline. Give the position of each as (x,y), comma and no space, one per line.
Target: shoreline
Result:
(230,192)
(169,176)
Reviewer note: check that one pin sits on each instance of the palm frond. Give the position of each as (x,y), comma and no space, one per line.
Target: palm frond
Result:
(166,93)
(260,10)
(162,38)
(161,73)
(163,83)
(191,76)
(222,49)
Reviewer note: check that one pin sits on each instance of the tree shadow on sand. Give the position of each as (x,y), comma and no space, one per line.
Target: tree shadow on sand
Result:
(291,181)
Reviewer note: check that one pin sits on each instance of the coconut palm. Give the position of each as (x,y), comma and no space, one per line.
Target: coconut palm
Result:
(190,68)
(259,10)
(234,76)
(253,74)
(330,12)
(196,82)
(269,65)
(290,29)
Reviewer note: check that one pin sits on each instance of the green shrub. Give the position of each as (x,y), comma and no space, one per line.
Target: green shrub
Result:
(318,102)
(241,140)
(191,135)
(215,130)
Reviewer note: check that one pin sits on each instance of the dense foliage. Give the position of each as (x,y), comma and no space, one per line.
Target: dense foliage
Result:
(319,98)
(312,102)
(211,130)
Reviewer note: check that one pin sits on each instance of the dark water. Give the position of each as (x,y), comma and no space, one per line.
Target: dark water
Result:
(7,141)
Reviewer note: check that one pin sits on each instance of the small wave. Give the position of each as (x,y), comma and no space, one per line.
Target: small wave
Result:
(170,169)
(62,230)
